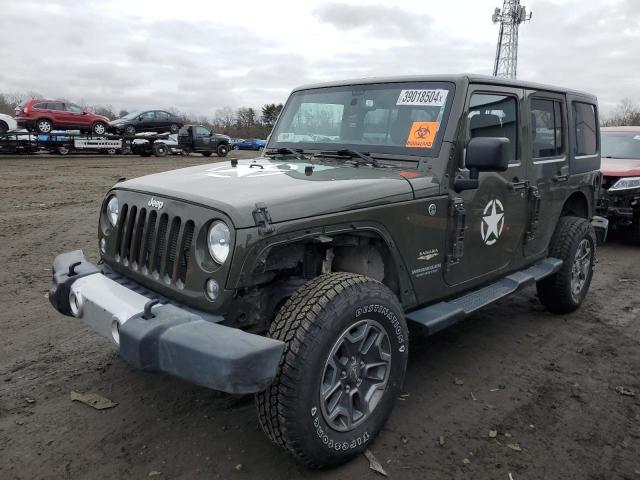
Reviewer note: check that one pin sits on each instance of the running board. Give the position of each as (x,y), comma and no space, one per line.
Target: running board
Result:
(444,314)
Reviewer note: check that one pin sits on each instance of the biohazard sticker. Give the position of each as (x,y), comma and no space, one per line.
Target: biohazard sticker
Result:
(422,134)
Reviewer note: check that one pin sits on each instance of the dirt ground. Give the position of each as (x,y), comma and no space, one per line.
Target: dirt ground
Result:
(546,384)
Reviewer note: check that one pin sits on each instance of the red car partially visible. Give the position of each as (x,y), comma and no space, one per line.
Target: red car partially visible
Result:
(43,116)
(621,178)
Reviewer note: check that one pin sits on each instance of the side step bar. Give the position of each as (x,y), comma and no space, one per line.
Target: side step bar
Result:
(444,314)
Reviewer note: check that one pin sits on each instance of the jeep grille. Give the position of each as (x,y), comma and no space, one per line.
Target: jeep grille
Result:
(154,243)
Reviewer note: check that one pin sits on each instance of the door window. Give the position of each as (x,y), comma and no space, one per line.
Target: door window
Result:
(202,132)
(162,116)
(585,129)
(55,106)
(546,128)
(146,116)
(494,115)
(70,107)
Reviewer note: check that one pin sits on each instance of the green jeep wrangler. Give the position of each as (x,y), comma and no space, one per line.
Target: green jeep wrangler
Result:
(376,204)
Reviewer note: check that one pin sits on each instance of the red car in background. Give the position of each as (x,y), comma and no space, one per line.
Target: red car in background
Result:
(621,178)
(43,116)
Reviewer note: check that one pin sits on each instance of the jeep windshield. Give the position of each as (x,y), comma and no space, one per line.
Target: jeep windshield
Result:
(386,118)
(624,145)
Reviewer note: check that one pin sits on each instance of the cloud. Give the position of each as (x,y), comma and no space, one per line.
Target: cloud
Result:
(382,20)
(199,58)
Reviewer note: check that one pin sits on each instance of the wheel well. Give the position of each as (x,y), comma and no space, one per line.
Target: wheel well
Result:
(286,267)
(576,206)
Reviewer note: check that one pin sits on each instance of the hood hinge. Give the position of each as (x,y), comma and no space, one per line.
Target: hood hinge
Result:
(263,219)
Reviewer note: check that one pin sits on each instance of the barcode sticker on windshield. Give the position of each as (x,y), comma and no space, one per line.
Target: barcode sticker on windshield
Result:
(431,98)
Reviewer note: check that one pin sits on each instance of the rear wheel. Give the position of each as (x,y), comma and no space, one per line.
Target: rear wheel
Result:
(342,369)
(222,150)
(63,150)
(173,128)
(574,242)
(160,150)
(44,126)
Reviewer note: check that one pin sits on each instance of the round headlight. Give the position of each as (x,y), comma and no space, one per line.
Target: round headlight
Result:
(113,210)
(218,241)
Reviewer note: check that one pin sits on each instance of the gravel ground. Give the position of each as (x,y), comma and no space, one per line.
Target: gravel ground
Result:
(546,384)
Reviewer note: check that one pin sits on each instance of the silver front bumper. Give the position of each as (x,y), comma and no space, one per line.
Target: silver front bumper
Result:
(163,337)
(105,305)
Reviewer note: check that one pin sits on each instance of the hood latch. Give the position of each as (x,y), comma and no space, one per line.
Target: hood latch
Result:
(263,219)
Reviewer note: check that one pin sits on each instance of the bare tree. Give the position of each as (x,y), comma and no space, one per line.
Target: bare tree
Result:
(626,114)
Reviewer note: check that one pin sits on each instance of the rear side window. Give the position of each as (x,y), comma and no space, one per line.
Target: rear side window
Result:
(162,116)
(40,106)
(494,115)
(585,129)
(546,128)
(55,106)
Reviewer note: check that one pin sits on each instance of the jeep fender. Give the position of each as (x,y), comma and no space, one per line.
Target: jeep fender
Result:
(256,255)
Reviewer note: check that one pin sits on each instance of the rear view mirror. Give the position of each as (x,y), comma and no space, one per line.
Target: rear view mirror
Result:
(483,154)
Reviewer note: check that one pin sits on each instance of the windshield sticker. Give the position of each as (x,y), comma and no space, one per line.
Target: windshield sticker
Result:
(422,134)
(431,98)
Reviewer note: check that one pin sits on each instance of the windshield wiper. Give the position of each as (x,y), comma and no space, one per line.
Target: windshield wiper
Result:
(285,150)
(348,152)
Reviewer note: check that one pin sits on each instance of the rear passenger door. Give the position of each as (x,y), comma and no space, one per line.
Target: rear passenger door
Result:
(57,114)
(546,154)
(495,212)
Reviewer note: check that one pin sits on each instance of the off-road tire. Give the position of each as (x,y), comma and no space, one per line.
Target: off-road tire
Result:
(555,291)
(222,150)
(310,323)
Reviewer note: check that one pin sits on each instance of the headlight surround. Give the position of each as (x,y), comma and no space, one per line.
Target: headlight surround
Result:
(113,210)
(625,184)
(219,241)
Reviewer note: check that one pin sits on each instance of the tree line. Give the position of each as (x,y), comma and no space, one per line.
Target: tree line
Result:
(243,122)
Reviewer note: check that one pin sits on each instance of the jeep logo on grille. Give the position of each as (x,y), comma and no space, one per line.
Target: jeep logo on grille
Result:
(153,203)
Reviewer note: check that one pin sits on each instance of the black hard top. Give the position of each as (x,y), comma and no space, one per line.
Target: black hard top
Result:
(461,79)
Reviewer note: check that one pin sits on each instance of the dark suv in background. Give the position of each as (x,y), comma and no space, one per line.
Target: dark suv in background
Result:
(149,121)
(43,116)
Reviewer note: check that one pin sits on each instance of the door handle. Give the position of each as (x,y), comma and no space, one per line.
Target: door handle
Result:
(518,185)
(560,178)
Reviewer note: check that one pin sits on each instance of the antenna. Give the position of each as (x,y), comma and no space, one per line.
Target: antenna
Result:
(510,18)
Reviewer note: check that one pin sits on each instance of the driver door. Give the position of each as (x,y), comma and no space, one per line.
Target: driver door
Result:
(495,213)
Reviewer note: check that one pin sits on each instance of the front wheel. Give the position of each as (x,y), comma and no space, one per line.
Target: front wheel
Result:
(173,128)
(574,242)
(342,369)
(222,150)
(130,130)
(99,128)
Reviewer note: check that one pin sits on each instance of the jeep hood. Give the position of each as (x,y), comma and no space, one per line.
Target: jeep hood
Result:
(290,190)
(620,167)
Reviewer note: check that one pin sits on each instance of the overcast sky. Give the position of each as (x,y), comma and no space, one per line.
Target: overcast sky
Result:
(199,55)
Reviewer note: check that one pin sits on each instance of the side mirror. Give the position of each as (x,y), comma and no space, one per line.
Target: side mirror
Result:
(484,154)
(85,113)
(139,119)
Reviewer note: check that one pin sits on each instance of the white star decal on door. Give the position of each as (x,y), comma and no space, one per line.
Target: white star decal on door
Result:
(492,222)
